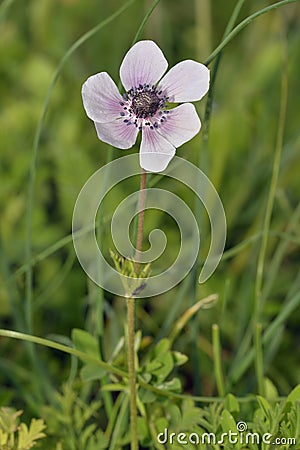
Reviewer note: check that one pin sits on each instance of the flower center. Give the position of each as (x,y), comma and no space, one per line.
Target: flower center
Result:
(145,103)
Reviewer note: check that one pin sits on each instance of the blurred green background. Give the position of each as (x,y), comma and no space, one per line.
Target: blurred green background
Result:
(238,158)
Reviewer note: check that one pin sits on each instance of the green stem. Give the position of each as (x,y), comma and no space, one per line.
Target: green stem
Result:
(131,319)
(141,215)
(114,414)
(120,420)
(217,359)
(112,369)
(63,348)
(242,25)
(148,14)
(259,363)
(271,197)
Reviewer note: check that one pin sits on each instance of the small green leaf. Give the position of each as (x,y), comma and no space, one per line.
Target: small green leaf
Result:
(294,395)
(9,419)
(264,405)
(161,423)
(231,403)
(143,430)
(3,438)
(85,342)
(27,437)
(175,415)
(173,385)
(179,358)
(271,392)
(147,396)
(146,377)
(227,422)
(162,347)
(165,368)
(153,366)
(92,372)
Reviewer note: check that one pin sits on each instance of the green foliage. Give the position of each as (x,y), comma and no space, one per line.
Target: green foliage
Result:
(182,416)
(18,436)
(86,343)
(74,423)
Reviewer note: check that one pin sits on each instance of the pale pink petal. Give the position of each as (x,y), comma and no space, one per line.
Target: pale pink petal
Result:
(117,133)
(101,98)
(188,81)
(156,152)
(180,125)
(143,64)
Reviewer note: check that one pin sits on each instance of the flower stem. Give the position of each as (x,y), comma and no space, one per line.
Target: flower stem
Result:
(131,318)
(140,226)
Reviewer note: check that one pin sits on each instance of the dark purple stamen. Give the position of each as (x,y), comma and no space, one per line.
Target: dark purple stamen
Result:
(145,101)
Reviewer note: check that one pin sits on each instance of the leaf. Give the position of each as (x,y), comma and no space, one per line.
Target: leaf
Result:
(231,403)
(153,365)
(86,434)
(147,396)
(191,414)
(264,405)
(161,423)
(227,422)
(161,363)
(146,377)
(143,430)
(162,347)
(85,342)
(118,348)
(179,358)
(294,395)
(3,438)
(174,416)
(92,372)
(98,442)
(173,385)
(9,419)
(204,303)
(271,392)
(27,437)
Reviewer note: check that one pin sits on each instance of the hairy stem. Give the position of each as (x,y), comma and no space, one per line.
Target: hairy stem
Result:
(140,226)
(131,318)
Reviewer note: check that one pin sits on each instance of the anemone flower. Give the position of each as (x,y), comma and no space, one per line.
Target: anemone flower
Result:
(146,105)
